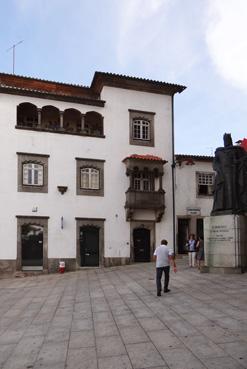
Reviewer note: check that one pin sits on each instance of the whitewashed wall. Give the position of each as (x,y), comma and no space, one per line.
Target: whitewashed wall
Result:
(185,191)
(63,149)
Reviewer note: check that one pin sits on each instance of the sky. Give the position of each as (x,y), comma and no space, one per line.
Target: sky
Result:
(200,44)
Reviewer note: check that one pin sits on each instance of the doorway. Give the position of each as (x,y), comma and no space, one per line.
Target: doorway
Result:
(32,247)
(183,234)
(89,246)
(199,227)
(141,240)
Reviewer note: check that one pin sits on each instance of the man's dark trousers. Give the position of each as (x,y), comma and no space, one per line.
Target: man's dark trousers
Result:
(159,272)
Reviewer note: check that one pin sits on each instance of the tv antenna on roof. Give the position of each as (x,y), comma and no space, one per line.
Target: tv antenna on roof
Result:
(13,48)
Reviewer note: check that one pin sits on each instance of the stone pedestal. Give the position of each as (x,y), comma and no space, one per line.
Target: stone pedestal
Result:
(225,243)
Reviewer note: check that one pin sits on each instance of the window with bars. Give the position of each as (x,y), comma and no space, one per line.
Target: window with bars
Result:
(143,182)
(32,174)
(141,129)
(90,179)
(205,184)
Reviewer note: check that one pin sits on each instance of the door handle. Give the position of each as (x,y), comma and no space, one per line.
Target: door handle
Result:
(87,254)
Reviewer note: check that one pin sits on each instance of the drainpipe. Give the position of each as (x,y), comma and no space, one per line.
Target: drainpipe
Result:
(173,166)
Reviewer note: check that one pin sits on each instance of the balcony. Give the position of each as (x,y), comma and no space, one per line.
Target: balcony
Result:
(154,200)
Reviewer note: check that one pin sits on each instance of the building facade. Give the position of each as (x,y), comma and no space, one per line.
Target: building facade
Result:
(194,195)
(86,171)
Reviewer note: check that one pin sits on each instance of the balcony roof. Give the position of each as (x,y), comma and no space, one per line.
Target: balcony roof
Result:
(145,157)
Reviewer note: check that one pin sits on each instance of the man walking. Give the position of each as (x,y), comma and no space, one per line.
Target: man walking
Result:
(163,255)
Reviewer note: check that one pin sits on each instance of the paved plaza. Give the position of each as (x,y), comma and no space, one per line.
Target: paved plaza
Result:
(112,319)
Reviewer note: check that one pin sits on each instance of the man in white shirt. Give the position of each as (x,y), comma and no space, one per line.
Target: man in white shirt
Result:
(163,255)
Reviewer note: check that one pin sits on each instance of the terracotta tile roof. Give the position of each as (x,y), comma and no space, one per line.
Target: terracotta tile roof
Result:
(145,157)
(24,85)
(36,84)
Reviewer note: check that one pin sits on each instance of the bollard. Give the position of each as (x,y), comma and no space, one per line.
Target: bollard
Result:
(61,266)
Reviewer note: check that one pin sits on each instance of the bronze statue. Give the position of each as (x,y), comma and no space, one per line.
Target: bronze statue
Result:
(230,188)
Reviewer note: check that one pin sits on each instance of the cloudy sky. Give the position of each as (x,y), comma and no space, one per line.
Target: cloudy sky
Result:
(201,44)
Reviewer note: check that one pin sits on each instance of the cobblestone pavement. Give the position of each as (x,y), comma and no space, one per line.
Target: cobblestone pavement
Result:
(112,319)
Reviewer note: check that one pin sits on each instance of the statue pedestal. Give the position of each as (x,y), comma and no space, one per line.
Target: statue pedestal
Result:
(225,243)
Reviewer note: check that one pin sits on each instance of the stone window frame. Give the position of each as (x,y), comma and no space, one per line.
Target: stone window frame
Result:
(38,220)
(94,164)
(41,159)
(141,115)
(197,183)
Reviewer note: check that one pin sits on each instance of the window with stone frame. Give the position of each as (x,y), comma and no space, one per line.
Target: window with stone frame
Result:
(32,172)
(205,183)
(141,128)
(89,177)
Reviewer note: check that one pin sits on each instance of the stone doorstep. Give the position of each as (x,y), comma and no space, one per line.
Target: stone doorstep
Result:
(29,273)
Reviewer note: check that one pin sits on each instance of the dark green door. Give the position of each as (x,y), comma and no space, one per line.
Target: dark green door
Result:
(89,246)
(141,237)
(32,245)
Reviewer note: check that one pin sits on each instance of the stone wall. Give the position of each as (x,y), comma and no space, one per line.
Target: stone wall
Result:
(53,264)
(108,262)
(7,267)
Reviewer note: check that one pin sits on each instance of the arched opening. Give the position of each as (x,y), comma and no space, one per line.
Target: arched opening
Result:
(93,124)
(72,120)
(50,117)
(27,115)
(141,239)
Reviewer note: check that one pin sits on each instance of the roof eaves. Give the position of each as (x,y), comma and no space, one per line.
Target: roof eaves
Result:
(195,157)
(101,79)
(52,95)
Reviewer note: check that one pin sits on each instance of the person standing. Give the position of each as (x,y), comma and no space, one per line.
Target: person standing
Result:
(200,252)
(191,244)
(163,255)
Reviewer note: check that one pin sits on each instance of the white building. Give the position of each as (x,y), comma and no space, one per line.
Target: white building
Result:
(86,171)
(194,195)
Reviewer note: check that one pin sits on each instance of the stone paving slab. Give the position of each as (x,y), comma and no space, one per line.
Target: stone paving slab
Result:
(112,319)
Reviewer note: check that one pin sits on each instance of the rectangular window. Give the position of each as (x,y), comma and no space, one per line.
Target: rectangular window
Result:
(89,177)
(141,128)
(205,184)
(143,182)
(32,172)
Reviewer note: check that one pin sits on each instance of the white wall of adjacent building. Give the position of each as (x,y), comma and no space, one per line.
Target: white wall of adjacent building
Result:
(186,188)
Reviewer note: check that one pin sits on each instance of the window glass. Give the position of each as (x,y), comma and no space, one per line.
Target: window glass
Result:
(143,182)
(32,174)
(141,129)
(90,178)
